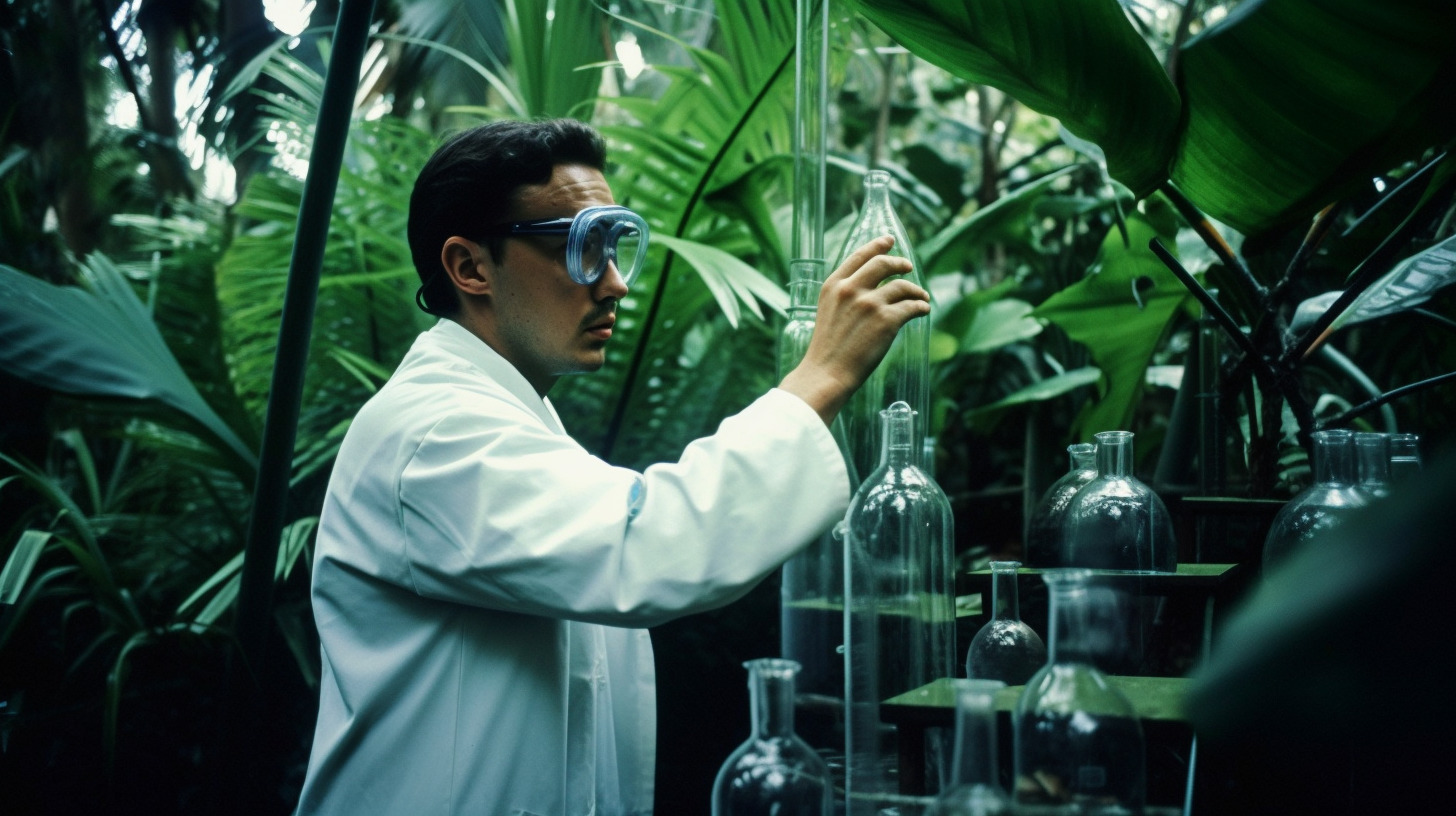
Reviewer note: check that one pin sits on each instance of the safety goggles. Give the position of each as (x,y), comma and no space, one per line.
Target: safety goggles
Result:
(595,237)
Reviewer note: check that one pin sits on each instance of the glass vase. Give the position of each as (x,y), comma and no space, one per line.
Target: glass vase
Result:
(1372,465)
(1078,741)
(974,787)
(774,773)
(1116,522)
(1405,456)
(1044,530)
(899,623)
(1005,649)
(903,375)
(1322,505)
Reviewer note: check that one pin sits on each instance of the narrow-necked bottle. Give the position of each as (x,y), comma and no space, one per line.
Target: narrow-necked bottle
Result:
(774,773)
(1115,521)
(904,374)
(1405,456)
(974,786)
(1005,649)
(1044,530)
(899,620)
(1078,739)
(1323,504)
(1372,464)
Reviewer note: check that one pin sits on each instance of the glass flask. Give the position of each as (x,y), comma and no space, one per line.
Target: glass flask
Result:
(805,278)
(1372,465)
(974,787)
(1044,531)
(899,622)
(1115,521)
(903,375)
(1405,455)
(1005,649)
(1320,506)
(1077,739)
(774,773)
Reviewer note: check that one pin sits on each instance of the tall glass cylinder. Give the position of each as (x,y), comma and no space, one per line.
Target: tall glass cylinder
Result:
(1077,738)
(1322,505)
(1005,649)
(1372,465)
(811,113)
(774,773)
(1405,456)
(1116,521)
(899,623)
(904,373)
(974,786)
(1044,531)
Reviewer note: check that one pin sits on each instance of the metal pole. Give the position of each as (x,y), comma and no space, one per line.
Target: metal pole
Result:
(280,427)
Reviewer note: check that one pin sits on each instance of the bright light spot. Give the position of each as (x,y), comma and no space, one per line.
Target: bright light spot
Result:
(1379,185)
(289,16)
(999,126)
(1162,12)
(550,15)
(1215,14)
(124,113)
(630,55)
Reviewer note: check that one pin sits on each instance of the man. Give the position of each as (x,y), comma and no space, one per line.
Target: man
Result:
(481,583)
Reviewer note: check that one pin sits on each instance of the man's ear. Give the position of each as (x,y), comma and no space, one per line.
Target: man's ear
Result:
(468,264)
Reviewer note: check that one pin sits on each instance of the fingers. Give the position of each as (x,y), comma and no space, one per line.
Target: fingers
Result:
(860,256)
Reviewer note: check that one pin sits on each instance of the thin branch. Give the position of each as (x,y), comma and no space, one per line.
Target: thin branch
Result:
(1318,229)
(1393,394)
(1215,241)
(1220,315)
(123,65)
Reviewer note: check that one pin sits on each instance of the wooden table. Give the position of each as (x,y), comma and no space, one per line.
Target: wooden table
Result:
(1157,701)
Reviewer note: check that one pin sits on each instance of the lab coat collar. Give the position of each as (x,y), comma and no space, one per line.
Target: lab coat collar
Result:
(455,339)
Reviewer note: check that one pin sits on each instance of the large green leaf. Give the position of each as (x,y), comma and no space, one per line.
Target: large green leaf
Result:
(1289,104)
(100,343)
(1077,60)
(1119,311)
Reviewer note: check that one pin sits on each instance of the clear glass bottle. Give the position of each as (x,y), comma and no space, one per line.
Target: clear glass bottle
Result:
(899,623)
(1077,738)
(1005,649)
(974,786)
(903,376)
(774,773)
(1405,455)
(1320,506)
(1116,522)
(1372,465)
(1044,530)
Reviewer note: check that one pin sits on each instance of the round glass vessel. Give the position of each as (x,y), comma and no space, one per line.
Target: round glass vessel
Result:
(774,773)
(1005,649)
(1078,741)
(1116,522)
(1323,504)
(1044,531)
(974,787)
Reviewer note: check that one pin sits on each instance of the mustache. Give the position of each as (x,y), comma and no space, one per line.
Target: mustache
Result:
(597,315)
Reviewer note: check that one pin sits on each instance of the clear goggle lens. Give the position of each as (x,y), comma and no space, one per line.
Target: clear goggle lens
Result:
(606,235)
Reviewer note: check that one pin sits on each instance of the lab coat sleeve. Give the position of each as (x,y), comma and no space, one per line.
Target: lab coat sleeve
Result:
(507,514)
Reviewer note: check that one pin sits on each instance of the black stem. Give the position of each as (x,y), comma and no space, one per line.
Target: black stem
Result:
(1210,236)
(634,369)
(1373,267)
(1393,394)
(1220,315)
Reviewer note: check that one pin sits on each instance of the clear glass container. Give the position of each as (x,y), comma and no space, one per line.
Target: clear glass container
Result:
(899,624)
(1372,465)
(1005,649)
(1405,455)
(1078,741)
(1116,522)
(1320,506)
(974,786)
(1044,530)
(903,376)
(774,773)
(805,278)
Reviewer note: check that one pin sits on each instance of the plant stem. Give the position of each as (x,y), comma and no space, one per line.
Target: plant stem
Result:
(1394,393)
(1215,241)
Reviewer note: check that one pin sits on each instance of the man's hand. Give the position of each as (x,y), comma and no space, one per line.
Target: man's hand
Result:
(857,322)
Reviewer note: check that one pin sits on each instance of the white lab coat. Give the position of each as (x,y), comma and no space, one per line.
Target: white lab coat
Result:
(481,583)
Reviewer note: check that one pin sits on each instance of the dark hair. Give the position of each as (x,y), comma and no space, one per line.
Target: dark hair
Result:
(470,183)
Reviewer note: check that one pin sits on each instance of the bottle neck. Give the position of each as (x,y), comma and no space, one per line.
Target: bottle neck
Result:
(974,759)
(1373,451)
(1070,625)
(1004,599)
(1114,454)
(771,697)
(1082,456)
(1333,458)
(803,297)
(897,437)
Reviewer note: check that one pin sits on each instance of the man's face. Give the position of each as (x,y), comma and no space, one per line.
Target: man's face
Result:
(546,324)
